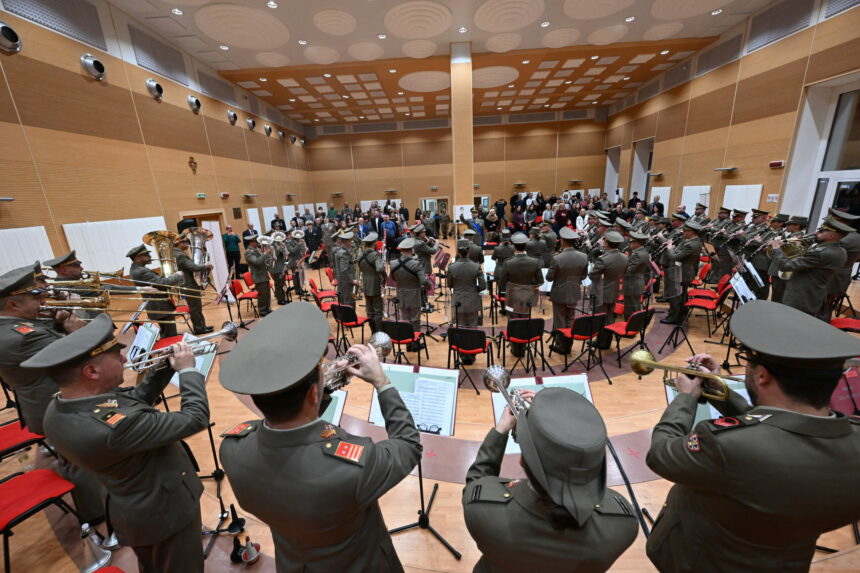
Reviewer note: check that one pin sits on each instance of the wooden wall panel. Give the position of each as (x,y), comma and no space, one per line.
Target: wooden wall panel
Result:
(329,158)
(530,147)
(427,153)
(489,149)
(225,140)
(672,122)
(258,148)
(773,92)
(711,110)
(583,143)
(645,127)
(374,156)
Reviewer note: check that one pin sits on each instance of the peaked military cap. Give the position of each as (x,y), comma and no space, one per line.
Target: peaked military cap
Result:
(417,228)
(464,244)
(737,212)
(370,238)
(843,215)
(700,206)
(347,236)
(758,212)
(755,323)
(602,221)
(253,237)
(568,234)
(633,235)
(534,231)
(798,220)
(622,223)
(780,218)
(67,259)
(138,250)
(831,224)
(468,232)
(406,244)
(19,281)
(679,216)
(505,232)
(693,226)
(641,210)
(38,273)
(725,210)
(519,239)
(87,342)
(664,220)
(280,352)
(613,237)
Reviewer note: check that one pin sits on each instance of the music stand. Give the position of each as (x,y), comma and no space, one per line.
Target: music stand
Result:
(426,309)
(593,354)
(237,524)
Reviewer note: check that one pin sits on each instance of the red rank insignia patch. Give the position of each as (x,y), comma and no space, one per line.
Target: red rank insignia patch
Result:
(23,329)
(328,432)
(238,430)
(351,452)
(693,443)
(511,484)
(112,418)
(726,422)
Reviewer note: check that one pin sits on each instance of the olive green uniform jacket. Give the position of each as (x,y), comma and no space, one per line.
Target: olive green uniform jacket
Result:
(812,271)
(144,276)
(509,524)
(753,491)
(317,488)
(467,280)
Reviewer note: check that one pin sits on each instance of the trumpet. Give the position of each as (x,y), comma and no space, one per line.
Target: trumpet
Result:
(335,375)
(158,359)
(497,379)
(642,363)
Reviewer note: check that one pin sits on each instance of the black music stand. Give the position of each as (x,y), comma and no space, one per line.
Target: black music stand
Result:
(237,524)
(426,309)
(593,354)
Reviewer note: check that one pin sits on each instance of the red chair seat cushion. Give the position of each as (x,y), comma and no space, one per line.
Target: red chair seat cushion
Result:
(21,493)
(325,306)
(415,337)
(702,293)
(361,320)
(325,293)
(846,324)
(620,328)
(519,340)
(499,298)
(248,295)
(473,350)
(165,342)
(566,332)
(702,303)
(13,436)
(183,308)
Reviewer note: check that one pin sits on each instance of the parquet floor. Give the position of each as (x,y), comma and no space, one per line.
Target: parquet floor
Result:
(48,541)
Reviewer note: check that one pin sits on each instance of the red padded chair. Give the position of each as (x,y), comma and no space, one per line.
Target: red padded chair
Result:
(401,333)
(846,324)
(249,282)
(323,298)
(330,274)
(710,306)
(529,332)
(346,318)
(631,328)
(15,437)
(239,294)
(703,273)
(584,328)
(321,293)
(710,293)
(470,342)
(24,494)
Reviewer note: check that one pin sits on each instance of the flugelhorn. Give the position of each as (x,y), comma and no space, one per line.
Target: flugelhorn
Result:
(497,379)
(158,359)
(335,374)
(714,386)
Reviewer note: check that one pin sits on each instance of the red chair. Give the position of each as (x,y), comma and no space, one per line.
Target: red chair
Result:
(710,306)
(401,333)
(24,494)
(846,324)
(529,332)
(703,273)
(710,293)
(584,328)
(186,312)
(346,318)
(631,328)
(321,293)
(330,274)
(165,342)
(239,294)
(249,282)
(469,342)
(323,298)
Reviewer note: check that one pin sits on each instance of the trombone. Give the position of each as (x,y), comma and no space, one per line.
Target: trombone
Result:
(158,359)
(497,379)
(714,386)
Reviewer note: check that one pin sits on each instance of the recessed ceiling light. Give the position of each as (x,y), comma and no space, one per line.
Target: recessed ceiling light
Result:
(510,85)
(625,78)
(463,29)
(345,97)
(594,103)
(664,52)
(629,18)
(177,11)
(272,4)
(400,93)
(568,82)
(544,24)
(225,48)
(361,117)
(499,107)
(716,12)
(546,105)
(316,119)
(392,71)
(595,57)
(303,42)
(525,62)
(264,79)
(407,113)
(326,75)
(292,99)
(381,36)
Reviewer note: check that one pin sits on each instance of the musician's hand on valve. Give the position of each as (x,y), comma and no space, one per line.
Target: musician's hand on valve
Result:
(368,367)
(706,363)
(182,356)
(507,421)
(686,385)
(527,395)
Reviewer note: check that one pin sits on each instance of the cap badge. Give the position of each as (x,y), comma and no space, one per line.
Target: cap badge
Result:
(328,432)
(109,404)
(693,443)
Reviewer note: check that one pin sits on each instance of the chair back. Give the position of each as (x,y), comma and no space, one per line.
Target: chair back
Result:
(588,324)
(398,330)
(236,287)
(640,320)
(343,313)
(703,272)
(536,327)
(314,289)
(248,280)
(467,338)
(724,280)
(330,274)
(724,295)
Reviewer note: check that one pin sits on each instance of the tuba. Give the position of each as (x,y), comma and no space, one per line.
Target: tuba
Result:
(198,236)
(162,242)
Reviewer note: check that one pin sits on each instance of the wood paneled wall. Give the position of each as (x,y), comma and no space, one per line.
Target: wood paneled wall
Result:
(741,115)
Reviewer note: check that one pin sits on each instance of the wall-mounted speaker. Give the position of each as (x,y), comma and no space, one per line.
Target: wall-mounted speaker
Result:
(232,117)
(9,40)
(281,135)
(268,129)
(93,67)
(194,103)
(302,141)
(154,88)
(292,139)
(251,123)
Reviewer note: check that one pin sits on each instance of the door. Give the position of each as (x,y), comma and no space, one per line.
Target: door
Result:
(841,193)
(215,249)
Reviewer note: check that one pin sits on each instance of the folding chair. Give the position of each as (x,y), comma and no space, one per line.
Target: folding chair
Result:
(249,282)
(585,328)
(14,437)
(631,328)
(529,332)
(329,272)
(469,341)
(699,281)
(846,324)
(23,494)
(401,333)
(240,294)
(345,317)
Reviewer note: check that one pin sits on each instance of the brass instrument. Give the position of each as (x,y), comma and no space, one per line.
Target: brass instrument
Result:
(158,359)
(335,375)
(198,237)
(163,242)
(794,247)
(100,302)
(642,363)
(497,379)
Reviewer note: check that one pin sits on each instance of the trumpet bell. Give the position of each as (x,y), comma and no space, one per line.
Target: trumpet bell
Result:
(496,378)
(640,362)
(382,343)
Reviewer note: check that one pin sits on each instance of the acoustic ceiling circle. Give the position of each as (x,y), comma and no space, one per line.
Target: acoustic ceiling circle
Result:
(272,59)
(607,35)
(365,51)
(662,31)
(241,27)
(425,81)
(493,76)
(682,9)
(419,49)
(321,55)
(560,38)
(596,9)
(335,22)
(507,15)
(503,42)
(418,19)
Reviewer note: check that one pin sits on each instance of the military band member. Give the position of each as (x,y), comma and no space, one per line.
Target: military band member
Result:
(622,227)
(22,335)
(504,250)
(596,242)
(717,231)
(536,247)
(189,283)
(607,272)
(476,253)
(699,215)
(133,449)
(476,225)
(551,239)
(258,264)
(408,274)
(566,272)
(144,276)
(519,278)
(794,227)
(373,274)
(315,485)
(343,270)
(812,271)
(467,279)
(446,227)
(791,462)
(424,250)
(297,249)
(686,256)
(278,269)
(562,517)
(851,243)
(640,223)
(673,236)
(638,271)
(758,233)
(69,269)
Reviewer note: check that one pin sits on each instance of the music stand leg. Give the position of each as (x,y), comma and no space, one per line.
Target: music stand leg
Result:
(237,524)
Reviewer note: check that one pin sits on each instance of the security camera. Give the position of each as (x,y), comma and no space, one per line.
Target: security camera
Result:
(281,135)
(9,40)
(154,88)
(232,117)
(194,103)
(292,139)
(93,67)
(251,123)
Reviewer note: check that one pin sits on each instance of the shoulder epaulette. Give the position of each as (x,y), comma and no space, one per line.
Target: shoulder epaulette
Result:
(23,327)
(110,418)
(240,430)
(345,451)
(492,491)
(732,422)
(615,505)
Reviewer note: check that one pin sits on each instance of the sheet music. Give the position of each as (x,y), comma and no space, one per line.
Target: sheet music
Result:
(754,273)
(489,264)
(144,340)
(706,411)
(741,289)
(430,396)
(547,285)
(203,362)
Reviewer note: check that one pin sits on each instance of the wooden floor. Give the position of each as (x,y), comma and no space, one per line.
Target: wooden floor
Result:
(48,541)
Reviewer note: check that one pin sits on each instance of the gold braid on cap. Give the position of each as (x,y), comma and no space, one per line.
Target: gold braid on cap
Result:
(104,347)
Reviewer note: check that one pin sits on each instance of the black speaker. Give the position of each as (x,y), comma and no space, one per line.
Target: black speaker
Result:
(186,224)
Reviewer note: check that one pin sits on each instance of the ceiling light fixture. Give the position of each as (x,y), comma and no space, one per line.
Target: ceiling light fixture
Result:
(544,24)
(664,52)
(316,119)
(326,75)
(177,11)
(629,18)
(345,96)
(223,47)
(264,79)
(568,82)
(546,105)
(303,42)
(400,93)
(716,12)
(463,29)
(381,36)
(595,57)
(392,71)
(272,4)
(594,103)
(525,62)
(625,78)
(292,99)
(407,113)
(361,117)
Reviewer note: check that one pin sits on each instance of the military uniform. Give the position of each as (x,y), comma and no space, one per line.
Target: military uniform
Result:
(536,249)
(566,272)
(316,486)
(194,302)
(467,280)
(686,255)
(278,271)
(373,274)
(778,284)
(638,270)
(409,276)
(551,241)
(258,264)
(607,272)
(518,279)
(344,273)
(70,258)
(503,252)
(851,244)
(811,272)
(145,276)
(296,250)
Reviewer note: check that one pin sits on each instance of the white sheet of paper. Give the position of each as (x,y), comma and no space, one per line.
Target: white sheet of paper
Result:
(334,412)
(489,264)
(432,402)
(547,285)
(742,290)
(202,362)
(706,411)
